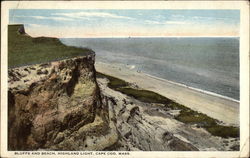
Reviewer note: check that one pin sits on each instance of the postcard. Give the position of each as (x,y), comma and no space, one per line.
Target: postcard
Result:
(125,79)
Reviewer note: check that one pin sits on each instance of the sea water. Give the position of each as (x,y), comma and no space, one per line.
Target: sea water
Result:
(208,64)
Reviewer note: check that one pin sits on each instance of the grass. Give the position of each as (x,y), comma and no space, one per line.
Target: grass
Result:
(186,115)
(25,50)
(114,82)
(144,95)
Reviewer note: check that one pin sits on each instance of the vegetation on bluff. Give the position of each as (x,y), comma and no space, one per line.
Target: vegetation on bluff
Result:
(25,50)
(186,115)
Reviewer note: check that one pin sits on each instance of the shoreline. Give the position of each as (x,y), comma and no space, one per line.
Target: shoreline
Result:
(195,89)
(213,105)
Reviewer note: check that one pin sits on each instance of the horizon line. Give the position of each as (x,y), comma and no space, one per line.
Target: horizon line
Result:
(154,37)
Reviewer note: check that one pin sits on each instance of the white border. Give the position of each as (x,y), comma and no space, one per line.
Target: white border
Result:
(243,6)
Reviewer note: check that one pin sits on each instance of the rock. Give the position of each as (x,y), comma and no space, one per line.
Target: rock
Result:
(59,138)
(56,106)
(179,145)
(235,147)
(41,71)
(225,141)
(21,30)
(167,136)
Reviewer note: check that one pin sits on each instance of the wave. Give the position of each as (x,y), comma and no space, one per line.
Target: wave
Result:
(196,89)
(131,67)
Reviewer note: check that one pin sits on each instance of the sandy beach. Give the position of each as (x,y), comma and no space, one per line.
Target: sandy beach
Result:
(223,109)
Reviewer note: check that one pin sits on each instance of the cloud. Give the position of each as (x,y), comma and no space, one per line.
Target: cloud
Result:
(206,18)
(34,25)
(45,18)
(177,16)
(200,19)
(88,15)
(153,22)
(176,22)
(166,22)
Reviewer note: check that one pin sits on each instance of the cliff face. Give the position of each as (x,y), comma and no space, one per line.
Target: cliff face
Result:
(57,106)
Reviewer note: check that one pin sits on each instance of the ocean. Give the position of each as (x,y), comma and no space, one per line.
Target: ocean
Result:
(207,64)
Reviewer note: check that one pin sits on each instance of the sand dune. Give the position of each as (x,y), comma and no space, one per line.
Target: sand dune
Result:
(223,109)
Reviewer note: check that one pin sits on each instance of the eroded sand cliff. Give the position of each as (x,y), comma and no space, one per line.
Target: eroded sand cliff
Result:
(57,106)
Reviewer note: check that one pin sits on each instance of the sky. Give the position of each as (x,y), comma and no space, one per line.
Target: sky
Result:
(77,23)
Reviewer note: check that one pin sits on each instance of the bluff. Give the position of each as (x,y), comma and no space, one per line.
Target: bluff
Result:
(57,101)
(57,105)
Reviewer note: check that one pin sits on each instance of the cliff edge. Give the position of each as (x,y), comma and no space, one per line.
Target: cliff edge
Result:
(26,50)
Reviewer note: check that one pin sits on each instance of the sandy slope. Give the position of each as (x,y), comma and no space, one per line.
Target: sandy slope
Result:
(219,108)
(151,127)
